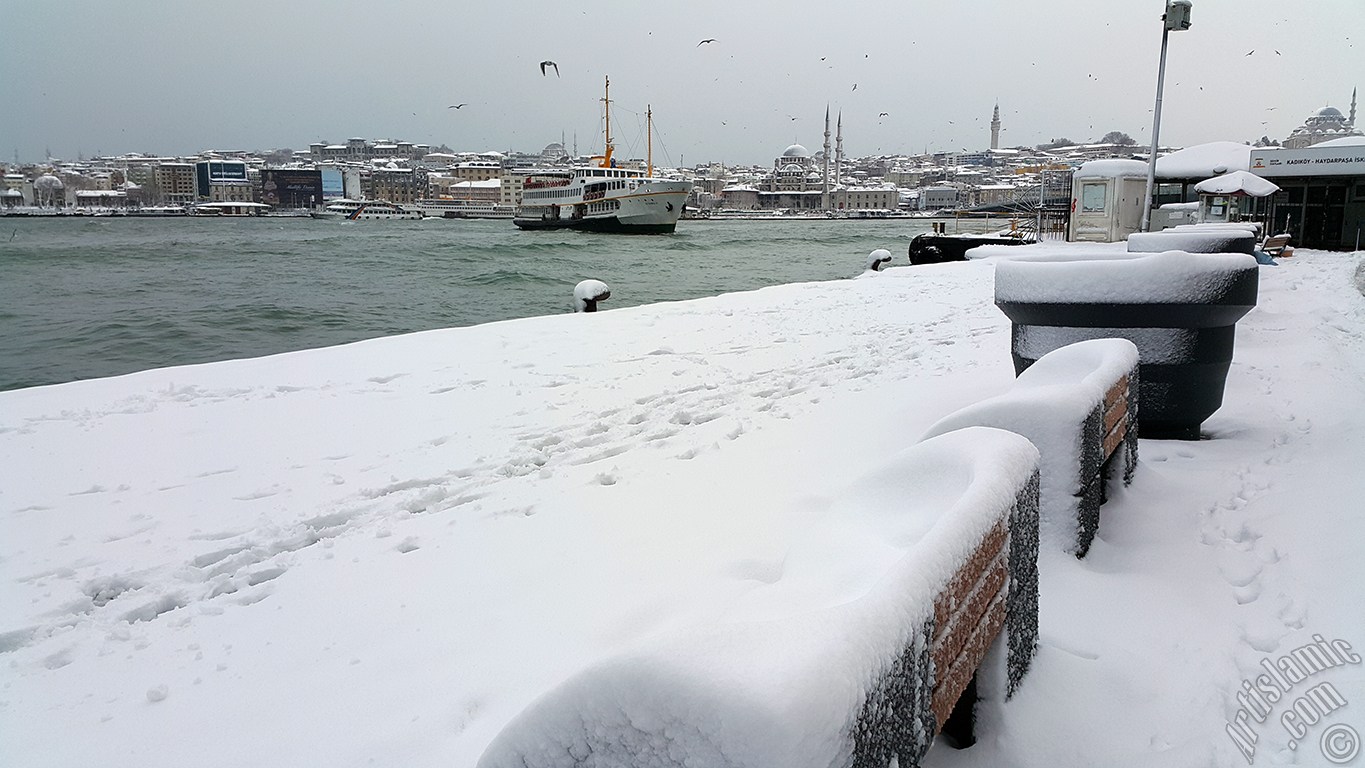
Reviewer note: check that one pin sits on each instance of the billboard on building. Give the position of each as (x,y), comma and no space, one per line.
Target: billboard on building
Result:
(292,188)
(333,184)
(207,172)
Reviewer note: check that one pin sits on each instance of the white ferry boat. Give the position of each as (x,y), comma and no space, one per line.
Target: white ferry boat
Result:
(602,197)
(441,207)
(358,210)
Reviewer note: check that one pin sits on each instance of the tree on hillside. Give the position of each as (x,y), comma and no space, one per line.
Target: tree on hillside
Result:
(1117,137)
(1055,143)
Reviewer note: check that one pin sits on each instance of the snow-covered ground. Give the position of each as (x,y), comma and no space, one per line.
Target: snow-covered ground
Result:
(380,553)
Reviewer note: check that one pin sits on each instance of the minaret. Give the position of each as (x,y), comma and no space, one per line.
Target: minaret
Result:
(839,151)
(824,195)
(1353,108)
(995,128)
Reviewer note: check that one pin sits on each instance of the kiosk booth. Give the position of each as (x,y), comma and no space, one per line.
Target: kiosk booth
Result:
(1106,200)
(1230,197)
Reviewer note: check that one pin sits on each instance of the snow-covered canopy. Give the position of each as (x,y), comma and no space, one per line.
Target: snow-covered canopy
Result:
(1204,160)
(1237,182)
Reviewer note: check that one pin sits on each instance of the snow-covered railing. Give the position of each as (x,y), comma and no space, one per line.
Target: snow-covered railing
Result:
(942,543)
(1078,405)
(1180,309)
(1197,238)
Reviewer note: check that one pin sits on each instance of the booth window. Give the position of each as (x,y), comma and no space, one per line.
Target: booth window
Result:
(1092,197)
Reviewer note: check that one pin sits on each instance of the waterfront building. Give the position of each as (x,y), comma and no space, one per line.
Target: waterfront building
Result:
(101,199)
(173,183)
(884,198)
(221,181)
(938,198)
(478,170)
(398,185)
(487,191)
(361,150)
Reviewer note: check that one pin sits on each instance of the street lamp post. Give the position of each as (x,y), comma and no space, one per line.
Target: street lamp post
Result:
(1175,19)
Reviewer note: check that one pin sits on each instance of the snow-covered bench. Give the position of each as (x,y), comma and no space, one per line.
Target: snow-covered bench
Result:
(854,657)
(1277,246)
(1078,404)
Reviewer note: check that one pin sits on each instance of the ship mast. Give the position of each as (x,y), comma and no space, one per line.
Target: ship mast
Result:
(606,101)
(649,140)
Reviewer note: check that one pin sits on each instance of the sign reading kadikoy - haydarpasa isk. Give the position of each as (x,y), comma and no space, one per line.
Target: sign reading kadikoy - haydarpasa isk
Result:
(1309,161)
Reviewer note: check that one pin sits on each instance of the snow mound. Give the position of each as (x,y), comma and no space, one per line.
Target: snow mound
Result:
(1169,277)
(1050,404)
(790,684)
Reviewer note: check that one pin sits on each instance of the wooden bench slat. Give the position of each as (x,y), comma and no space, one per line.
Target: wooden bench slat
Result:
(1116,413)
(1114,438)
(959,587)
(950,638)
(953,681)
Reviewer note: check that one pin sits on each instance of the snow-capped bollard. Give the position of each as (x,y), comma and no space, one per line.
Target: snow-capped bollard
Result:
(587,293)
(878,259)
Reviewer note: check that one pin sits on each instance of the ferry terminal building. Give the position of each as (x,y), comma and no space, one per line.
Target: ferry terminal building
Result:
(1321,201)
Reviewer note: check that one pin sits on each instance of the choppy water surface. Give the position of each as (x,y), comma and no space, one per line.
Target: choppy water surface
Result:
(89,297)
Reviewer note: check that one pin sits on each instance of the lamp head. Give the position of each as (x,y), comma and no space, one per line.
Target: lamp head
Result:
(1177,15)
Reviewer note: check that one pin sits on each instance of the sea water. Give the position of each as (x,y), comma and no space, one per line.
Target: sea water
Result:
(84,297)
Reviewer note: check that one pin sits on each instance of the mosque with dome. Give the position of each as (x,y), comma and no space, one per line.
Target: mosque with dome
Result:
(802,181)
(1324,125)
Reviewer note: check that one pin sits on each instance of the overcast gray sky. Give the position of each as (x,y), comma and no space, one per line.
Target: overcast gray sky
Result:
(178,77)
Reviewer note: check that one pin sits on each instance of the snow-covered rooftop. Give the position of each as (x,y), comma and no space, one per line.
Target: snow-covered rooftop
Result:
(1111,168)
(1344,141)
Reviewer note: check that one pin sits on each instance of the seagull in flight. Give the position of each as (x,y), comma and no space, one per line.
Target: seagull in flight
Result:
(1253,50)
(707,40)
(457,106)
(547,63)
(884,114)
(855,86)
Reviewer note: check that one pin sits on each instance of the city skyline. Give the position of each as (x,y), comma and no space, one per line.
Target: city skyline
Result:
(166,78)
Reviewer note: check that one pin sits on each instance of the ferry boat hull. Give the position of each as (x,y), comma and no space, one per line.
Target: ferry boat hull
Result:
(652,208)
